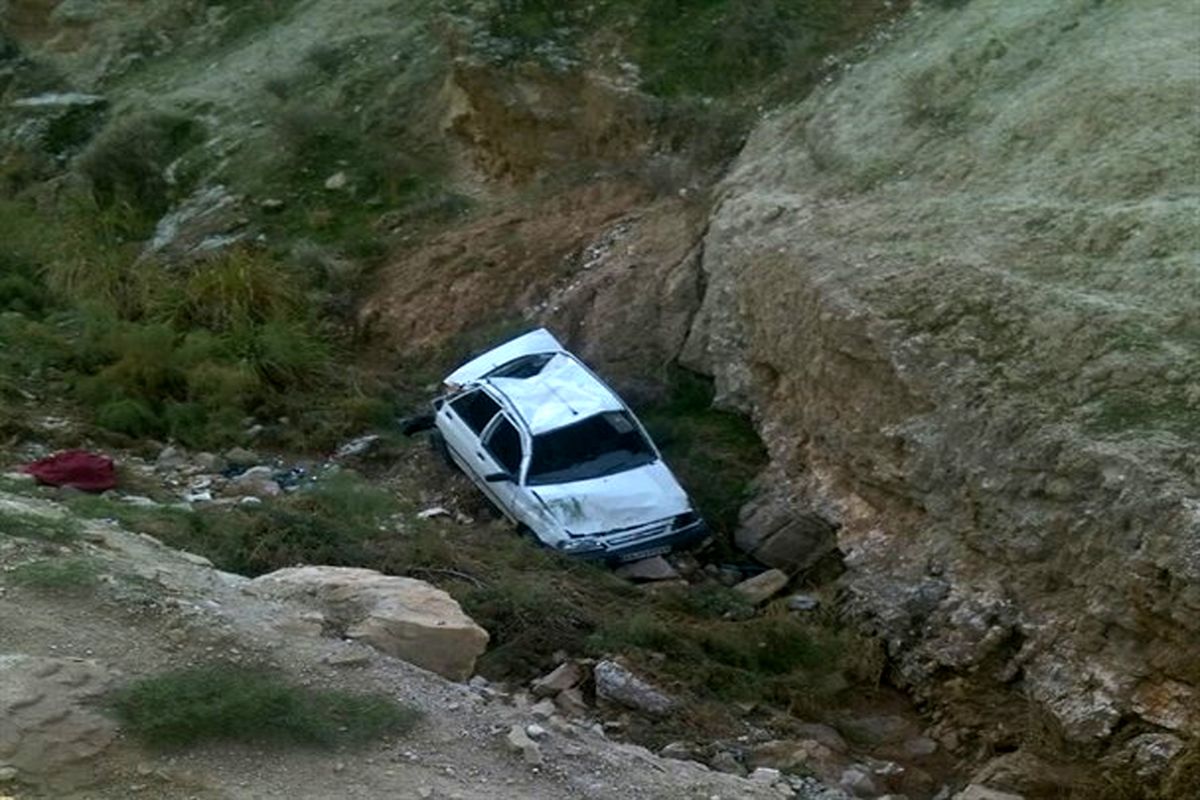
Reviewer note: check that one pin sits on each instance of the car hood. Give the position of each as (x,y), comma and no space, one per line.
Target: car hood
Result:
(634,497)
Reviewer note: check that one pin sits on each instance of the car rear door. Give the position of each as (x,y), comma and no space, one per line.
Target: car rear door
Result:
(462,421)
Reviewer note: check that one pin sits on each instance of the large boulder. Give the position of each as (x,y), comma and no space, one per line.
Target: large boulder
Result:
(403,617)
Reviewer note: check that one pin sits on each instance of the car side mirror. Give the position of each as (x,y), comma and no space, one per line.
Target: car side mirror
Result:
(499,477)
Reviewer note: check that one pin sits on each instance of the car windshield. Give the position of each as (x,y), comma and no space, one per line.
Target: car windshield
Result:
(597,446)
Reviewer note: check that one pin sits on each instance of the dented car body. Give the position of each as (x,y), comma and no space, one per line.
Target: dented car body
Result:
(559,453)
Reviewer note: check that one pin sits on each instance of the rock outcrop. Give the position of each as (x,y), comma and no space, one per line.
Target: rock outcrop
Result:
(49,733)
(402,617)
(956,288)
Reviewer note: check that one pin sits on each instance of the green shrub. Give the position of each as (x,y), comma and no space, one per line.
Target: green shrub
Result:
(126,161)
(224,702)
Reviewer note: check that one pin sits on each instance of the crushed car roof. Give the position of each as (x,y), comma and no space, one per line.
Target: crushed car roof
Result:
(562,393)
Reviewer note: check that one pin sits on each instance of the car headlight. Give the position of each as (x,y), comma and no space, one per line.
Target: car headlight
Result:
(580,545)
(686,519)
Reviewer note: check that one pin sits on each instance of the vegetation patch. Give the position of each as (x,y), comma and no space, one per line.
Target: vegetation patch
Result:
(221,702)
(715,453)
(39,526)
(186,353)
(698,47)
(60,575)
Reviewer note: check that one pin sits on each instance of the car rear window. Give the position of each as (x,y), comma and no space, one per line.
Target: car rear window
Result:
(476,409)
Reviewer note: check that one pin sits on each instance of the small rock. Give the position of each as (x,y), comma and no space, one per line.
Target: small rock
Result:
(7,774)
(209,462)
(337,181)
(762,587)
(679,751)
(519,742)
(725,761)
(765,775)
(566,675)
(882,729)
(803,602)
(857,781)
(977,792)
(535,731)
(170,457)
(193,558)
(543,709)
(241,457)
(272,205)
(616,684)
(138,501)
(353,658)
(648,569)
(571,703)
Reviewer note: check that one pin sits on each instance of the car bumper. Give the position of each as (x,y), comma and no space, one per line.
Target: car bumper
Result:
(623,547)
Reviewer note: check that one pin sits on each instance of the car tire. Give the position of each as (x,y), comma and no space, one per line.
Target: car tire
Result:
(437,443)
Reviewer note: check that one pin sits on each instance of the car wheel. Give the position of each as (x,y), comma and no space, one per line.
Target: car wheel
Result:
(437,443)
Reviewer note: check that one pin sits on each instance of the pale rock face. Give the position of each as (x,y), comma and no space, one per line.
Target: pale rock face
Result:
(50,734)
(955,290)
(403,617)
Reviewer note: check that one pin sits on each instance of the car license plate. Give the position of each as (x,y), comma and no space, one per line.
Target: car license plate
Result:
(639,555)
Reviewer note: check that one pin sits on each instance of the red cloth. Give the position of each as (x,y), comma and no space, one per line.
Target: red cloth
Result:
(77,469)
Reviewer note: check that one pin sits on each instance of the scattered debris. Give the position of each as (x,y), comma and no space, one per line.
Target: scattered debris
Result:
(803,602)
(430,513)
(76,469)
(357,447)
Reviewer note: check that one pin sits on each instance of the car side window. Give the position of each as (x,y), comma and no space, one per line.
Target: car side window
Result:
(476,409)
(504,443)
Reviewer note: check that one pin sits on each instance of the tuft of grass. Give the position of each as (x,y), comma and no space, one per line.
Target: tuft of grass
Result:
(38,526)
(60,575)
(220,702)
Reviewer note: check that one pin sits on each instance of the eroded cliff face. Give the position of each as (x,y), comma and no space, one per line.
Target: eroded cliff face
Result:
(957,289)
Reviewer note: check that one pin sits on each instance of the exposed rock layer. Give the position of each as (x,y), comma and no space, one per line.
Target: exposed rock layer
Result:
(957,290)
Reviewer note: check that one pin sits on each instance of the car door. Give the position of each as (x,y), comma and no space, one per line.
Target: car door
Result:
(507,449)
(462,421)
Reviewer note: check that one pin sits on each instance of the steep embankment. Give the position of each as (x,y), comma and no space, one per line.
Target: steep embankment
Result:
(957,288)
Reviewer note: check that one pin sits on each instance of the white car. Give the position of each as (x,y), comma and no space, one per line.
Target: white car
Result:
(561,455)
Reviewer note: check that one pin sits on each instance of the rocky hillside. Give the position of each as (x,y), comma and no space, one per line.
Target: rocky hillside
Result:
(957,290)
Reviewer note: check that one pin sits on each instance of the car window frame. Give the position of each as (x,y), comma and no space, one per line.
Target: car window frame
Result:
(503,416)
(482,432)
